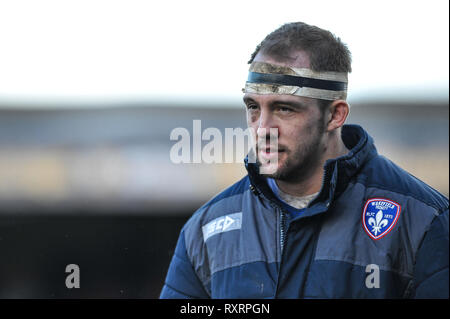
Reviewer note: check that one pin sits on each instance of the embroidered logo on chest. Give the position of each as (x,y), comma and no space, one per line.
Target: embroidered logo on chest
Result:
(379,217)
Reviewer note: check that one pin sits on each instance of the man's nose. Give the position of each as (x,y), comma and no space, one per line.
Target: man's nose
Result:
(267,125)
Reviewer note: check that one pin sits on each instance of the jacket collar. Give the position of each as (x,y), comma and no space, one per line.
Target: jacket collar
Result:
(337,172)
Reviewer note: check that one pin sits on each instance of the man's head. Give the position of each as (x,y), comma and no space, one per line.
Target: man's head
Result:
(325,51)
(308,117)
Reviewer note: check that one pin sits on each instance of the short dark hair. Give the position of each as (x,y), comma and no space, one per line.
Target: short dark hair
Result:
(326,51)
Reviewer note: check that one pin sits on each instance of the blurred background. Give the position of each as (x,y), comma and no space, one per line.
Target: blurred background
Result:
(91,90)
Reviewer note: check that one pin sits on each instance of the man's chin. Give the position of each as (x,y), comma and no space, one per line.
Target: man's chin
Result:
(271,170)
(270,166)
(279,171)
(268,171)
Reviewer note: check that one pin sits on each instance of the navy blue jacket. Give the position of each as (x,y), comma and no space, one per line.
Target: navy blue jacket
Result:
(374,231)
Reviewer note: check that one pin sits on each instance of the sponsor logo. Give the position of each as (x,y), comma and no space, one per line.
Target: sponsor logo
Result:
(222,224)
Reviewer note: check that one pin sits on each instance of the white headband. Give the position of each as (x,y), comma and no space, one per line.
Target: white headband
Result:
(266,78)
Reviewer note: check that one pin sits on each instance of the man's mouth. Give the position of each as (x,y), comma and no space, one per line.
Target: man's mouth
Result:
(270,151)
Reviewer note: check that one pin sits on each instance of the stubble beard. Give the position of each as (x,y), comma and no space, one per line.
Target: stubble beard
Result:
(303,161)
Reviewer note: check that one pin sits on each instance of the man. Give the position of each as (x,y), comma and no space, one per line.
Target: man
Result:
(333,219)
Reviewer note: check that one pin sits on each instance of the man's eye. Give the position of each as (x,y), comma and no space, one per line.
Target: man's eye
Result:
(252,107)
(284,109)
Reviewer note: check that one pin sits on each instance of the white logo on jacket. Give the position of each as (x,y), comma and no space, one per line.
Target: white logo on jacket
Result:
(222,224)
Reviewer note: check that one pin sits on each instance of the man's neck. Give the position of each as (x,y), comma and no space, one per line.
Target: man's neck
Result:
(306,186)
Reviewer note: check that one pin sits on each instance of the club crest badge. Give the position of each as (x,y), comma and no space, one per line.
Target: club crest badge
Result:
(379,217)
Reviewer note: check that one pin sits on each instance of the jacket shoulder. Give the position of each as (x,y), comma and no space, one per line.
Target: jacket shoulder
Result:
(236,189)
(382,173)
(226,202)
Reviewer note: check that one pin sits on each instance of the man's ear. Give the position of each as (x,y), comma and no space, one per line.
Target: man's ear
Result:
(339,110)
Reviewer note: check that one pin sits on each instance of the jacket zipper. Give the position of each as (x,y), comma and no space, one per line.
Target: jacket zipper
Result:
(282,217)
(282,231)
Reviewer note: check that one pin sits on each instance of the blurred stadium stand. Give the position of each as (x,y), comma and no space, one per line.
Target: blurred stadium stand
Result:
(95,187)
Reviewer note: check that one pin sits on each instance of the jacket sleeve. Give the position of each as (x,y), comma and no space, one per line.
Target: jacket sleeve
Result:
(431,277)
(181,281)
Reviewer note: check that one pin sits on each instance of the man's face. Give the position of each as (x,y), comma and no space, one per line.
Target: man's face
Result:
(301,128)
